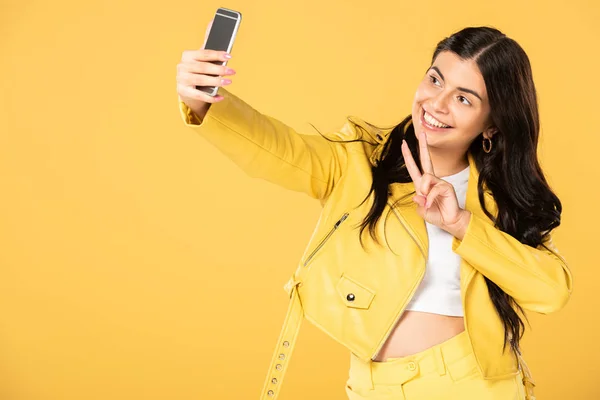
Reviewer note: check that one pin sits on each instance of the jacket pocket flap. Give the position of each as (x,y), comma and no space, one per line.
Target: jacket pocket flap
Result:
(353,294)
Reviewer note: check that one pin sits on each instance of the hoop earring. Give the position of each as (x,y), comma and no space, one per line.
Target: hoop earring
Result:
(487,150)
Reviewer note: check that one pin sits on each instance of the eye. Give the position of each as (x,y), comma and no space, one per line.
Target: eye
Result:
(467,101)
(433,79)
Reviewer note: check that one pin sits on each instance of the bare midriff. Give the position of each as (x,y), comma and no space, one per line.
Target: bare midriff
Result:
(416,331)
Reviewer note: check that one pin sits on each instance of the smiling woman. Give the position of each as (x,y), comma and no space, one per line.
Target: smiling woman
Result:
(477,102)
(453,107)
(434,313)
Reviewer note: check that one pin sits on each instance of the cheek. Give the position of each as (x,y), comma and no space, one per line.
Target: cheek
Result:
(469,119)
(421,96)
(422,93)
(469,124)
(461,117)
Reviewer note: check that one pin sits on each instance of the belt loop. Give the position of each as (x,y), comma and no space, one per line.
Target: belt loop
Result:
(528,381)
(440,365)
(362,371)
(370,375)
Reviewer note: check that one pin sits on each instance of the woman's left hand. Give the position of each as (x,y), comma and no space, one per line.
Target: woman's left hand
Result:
(436,198)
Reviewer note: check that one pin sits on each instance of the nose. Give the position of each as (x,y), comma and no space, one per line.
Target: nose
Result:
(440,102)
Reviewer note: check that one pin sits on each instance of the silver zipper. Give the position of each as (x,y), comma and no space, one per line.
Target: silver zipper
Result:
(333,229)
(389,331)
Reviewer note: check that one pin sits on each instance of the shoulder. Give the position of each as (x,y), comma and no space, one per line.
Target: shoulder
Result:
(358,135)
(376,134)
(357,128)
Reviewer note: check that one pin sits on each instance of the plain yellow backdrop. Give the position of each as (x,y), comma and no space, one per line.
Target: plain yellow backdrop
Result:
(136,262)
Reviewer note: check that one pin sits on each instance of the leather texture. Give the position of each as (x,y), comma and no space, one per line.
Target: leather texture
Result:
(356,295)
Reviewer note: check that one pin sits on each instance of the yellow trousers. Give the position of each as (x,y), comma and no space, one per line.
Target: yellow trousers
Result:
(445,371)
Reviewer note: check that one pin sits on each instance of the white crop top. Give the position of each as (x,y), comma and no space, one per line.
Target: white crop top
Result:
(439,291)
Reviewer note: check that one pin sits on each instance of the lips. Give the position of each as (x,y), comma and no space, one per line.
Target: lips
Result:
(425,125)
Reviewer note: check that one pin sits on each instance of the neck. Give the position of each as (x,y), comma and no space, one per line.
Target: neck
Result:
(446,163)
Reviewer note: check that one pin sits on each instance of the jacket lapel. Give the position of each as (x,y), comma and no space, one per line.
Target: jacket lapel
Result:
(407,209)
(413,221)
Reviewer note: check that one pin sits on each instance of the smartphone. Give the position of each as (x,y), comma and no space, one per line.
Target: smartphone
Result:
(221,36)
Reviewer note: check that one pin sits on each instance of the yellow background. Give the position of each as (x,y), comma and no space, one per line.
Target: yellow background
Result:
(136,262)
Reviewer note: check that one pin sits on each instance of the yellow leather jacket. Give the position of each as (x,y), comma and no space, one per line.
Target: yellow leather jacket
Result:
(356,296)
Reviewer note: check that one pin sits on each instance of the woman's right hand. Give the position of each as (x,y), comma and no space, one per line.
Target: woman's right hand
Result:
(196,69)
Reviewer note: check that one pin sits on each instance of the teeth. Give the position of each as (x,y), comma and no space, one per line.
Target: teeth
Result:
(432,121)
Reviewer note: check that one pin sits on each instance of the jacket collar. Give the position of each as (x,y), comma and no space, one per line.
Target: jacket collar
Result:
(375,136)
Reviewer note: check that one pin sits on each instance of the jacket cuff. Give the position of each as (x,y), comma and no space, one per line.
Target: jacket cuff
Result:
(215,110)
(473,227)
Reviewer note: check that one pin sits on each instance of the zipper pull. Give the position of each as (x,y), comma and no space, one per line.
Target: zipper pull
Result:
(340,220)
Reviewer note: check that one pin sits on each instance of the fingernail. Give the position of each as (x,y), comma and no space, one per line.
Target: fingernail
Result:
(227,55)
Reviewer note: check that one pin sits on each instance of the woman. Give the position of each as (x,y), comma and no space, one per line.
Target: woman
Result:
(455,192)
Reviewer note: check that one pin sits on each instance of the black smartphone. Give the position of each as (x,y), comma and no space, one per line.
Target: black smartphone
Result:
(221,36)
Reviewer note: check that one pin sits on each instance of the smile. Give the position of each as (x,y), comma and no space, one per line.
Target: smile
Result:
(429,122)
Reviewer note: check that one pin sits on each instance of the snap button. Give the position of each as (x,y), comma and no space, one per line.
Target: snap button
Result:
(412,366)
(274,380)
(270,393)
(278,367)
(286,344)
(282,356)
(354,294)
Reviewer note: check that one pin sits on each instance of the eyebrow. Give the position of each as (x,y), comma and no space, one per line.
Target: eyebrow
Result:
(474,93)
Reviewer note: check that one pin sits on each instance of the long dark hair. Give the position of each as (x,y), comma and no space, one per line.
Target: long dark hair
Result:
(527,207)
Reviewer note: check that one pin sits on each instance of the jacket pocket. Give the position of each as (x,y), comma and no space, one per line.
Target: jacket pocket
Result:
(353,294)
(325,239)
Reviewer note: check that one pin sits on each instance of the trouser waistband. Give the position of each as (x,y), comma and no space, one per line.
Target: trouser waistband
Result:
(402,369)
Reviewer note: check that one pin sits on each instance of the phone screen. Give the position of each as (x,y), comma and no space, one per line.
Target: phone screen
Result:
(220,38)
(220,33)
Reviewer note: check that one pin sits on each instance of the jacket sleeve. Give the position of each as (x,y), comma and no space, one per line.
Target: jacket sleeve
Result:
(537,278)
(265,148)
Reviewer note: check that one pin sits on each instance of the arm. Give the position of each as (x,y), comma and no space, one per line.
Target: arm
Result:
(266,148)
(537,278)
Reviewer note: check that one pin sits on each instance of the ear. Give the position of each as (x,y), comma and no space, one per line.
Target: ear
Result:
(488,133)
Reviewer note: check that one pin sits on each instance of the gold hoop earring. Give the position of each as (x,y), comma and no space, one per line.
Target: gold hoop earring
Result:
(487,150)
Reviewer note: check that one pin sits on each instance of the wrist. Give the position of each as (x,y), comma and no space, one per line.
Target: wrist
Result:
(200,111)
(459,228)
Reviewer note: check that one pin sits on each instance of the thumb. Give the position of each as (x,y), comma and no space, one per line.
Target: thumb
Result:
(207,32)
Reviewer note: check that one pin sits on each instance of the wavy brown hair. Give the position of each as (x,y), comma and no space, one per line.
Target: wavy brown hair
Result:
(527,207)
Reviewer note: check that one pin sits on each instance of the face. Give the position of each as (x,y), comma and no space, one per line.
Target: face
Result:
(453,94)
